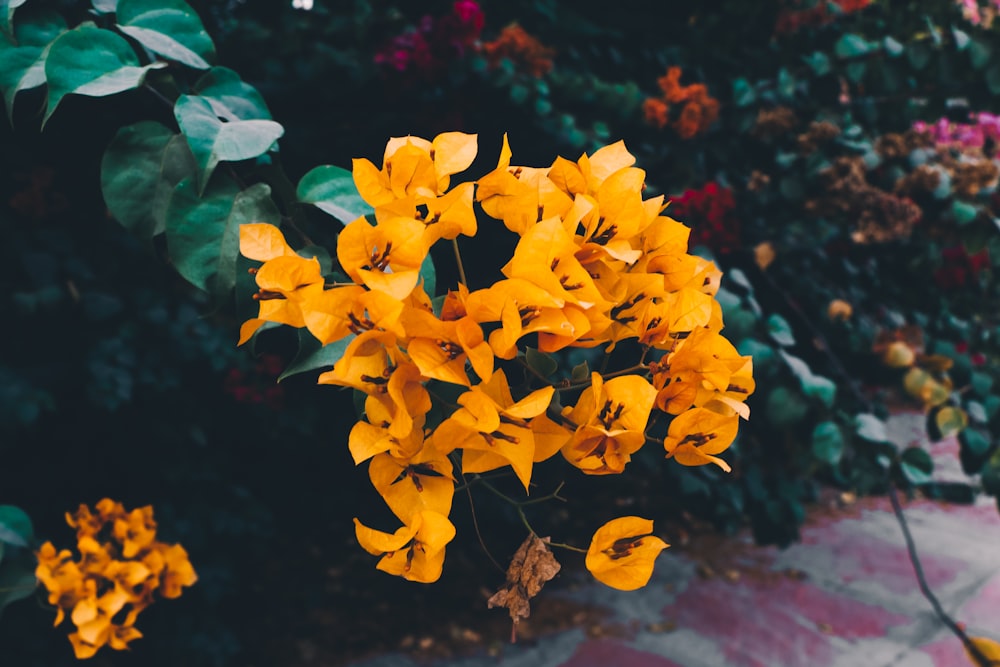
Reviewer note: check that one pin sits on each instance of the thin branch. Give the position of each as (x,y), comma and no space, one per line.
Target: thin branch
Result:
(458,261)
(475,526)
(918,570)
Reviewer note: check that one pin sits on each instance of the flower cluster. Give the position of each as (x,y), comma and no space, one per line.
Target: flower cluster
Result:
(428,49)
(595,265)
(121,566)
(983,126)
(979,14)
(959,268)
(696,110)
(523,50)
(711,211)
(791,19)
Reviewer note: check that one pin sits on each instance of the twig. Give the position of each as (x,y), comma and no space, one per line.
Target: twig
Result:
(475,526)
(458,261)
(918,570)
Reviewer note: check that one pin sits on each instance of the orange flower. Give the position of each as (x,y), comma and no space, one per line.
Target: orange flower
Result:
(655,111)
(517,46)
(622,553)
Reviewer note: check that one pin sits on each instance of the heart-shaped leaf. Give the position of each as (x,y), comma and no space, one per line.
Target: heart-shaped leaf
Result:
(93,62)
(331,189)
(203,236)
(139,172)
(17,576)
(230,96)
(169,28)
(22,60)
(212,140)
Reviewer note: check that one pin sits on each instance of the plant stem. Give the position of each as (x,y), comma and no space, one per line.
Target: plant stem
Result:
(458,261)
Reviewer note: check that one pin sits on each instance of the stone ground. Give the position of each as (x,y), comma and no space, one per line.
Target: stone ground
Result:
(845,596)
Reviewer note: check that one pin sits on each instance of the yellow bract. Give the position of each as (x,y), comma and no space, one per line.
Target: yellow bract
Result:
(111,578)
(622,553)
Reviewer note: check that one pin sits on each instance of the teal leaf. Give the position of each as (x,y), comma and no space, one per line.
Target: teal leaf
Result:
(827,443)
(961,39)
(15,527)
(314,356)
(814,386)
(980,53)
(331,189)
(105,6)
(169,28)
(785,407)
(818,62)
(850,46)
(93,62)
(211,140)
(139,171)
(871,428)
(22,61)
(428,274)
(916,465)
(17,576)
(203,237)
(231,98)
(780,330)
(743,92)
(892,47)
(919,54)
(7,8)
(963,213)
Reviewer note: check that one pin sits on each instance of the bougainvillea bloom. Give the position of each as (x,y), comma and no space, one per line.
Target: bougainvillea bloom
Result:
(696,436)
(622,553)
(415,551)
(114,580)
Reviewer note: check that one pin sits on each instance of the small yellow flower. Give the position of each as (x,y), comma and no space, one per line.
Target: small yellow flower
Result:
(415,551)
(622,553)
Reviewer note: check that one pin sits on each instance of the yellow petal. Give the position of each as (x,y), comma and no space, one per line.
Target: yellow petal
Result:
(454,152)
(989,648)
(262,242)
(622,553)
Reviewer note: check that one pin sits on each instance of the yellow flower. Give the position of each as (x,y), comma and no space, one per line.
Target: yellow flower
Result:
(695,436)
(414,166)
(415,551)
(622,553)
(386,257)
(492,429)
(408,486)
(441,348)
(611,419)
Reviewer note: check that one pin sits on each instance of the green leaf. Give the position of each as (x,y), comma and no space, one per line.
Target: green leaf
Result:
(313,356)
(892,47)
(993,79)
(981,383)
(786,84)
(871,428)
(22,61)
(975,441)
(141,167)
(105,6)
(785,407)
(856,71)
(15,527)
(580,372)
(331,189)
(540,362)
(780,330)
(963,213)
(7,8)
(850,46)
(93,62)
(818,62)
(916,465)
(919,54)
(17,576)
(428,274)
(814,386)
(950,420)
(212,140)
(827,443)
(980,53)
(743,92)
(961,39)
(203,237)
(231,98)
(169,28)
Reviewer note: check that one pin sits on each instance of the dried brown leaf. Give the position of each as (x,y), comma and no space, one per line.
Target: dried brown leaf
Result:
(532,565)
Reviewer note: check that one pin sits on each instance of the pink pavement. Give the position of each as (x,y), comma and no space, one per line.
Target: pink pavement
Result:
(845,596)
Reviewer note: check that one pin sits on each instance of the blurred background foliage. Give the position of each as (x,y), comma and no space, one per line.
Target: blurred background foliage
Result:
(837,159)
